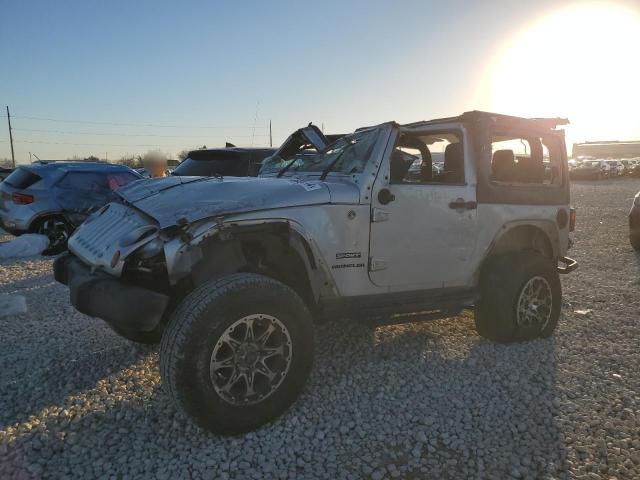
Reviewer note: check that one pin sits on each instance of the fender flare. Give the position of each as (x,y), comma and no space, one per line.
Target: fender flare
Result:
(320,281)
(515,235)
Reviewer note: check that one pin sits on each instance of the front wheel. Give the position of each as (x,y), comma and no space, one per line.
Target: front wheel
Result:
(520,297)
(237,352)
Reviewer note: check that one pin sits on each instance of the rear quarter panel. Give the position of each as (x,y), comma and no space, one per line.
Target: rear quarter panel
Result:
(24,216)
(497,219)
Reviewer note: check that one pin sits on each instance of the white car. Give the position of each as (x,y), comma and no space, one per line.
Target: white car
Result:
(603,165)
(616,167)
(232,272)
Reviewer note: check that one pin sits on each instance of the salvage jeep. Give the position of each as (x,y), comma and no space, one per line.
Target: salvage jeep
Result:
(229,273)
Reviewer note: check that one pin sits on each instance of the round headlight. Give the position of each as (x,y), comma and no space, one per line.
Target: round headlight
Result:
(151,249)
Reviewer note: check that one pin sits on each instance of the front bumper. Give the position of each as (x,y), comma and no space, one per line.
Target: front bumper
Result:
(124,306)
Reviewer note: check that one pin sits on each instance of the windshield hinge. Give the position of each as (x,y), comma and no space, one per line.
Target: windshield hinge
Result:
(376,264)
(379,215)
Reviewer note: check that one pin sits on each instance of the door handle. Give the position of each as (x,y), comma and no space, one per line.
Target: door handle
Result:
(461,204)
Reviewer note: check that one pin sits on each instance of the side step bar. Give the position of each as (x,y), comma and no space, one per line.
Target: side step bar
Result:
(377,318)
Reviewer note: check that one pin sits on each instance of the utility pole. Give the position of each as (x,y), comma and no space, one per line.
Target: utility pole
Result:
(13,157)
(270,135)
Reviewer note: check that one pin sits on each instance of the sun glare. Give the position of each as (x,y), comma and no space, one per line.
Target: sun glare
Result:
(581,62)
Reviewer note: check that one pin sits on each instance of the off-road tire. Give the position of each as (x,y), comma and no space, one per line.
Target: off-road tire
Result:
(634,239)
(501,282)
(198,325)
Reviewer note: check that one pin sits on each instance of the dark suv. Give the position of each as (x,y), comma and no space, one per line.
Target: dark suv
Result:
(228,162)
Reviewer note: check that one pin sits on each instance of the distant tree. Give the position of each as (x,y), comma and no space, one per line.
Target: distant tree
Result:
(131,161)
(91,158)
(6,163)
(183,154)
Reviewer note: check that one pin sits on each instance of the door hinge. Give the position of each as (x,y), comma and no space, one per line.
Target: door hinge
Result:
(379,215)
(376,264)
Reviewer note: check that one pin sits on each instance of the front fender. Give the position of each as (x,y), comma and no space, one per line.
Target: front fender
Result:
(183,256)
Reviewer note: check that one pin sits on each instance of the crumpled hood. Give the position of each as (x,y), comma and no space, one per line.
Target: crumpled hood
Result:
(170,199)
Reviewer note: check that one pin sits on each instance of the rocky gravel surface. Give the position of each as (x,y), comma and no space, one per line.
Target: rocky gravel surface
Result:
(424,400)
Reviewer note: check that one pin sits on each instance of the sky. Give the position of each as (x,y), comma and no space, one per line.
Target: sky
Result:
(115,78)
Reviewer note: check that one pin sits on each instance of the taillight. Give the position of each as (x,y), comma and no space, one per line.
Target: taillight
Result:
(572,219)
(22,198)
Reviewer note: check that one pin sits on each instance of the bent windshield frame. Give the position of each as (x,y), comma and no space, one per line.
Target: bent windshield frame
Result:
(350,153)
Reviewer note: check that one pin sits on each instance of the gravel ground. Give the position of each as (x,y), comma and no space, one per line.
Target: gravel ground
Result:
(426,400)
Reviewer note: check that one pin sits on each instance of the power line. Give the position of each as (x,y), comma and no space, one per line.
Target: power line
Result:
(255,120)
(91,122)
(96,144)
(115,134)
(13,156)
(90,144)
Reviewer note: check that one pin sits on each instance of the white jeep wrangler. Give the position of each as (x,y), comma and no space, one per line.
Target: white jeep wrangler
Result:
(432,217)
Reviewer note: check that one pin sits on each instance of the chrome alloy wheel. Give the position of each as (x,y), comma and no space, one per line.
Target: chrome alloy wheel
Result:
(534,303)
(250,359)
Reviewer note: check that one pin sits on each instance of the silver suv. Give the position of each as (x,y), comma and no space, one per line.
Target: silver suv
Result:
(230,273)
(52,198)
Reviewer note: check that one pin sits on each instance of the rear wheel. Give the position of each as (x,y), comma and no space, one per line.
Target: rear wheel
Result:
(237,352)
(520,297)
(58,231)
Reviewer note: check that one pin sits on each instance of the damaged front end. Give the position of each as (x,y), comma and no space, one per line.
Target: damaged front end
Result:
(116,269)
(127,307)
(135,257)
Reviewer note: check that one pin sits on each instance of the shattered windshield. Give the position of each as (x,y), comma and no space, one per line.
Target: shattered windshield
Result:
(350,154)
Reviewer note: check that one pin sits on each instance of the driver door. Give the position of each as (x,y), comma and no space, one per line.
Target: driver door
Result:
(423,219)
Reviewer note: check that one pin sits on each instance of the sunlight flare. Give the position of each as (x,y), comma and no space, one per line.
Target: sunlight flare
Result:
(579,62)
